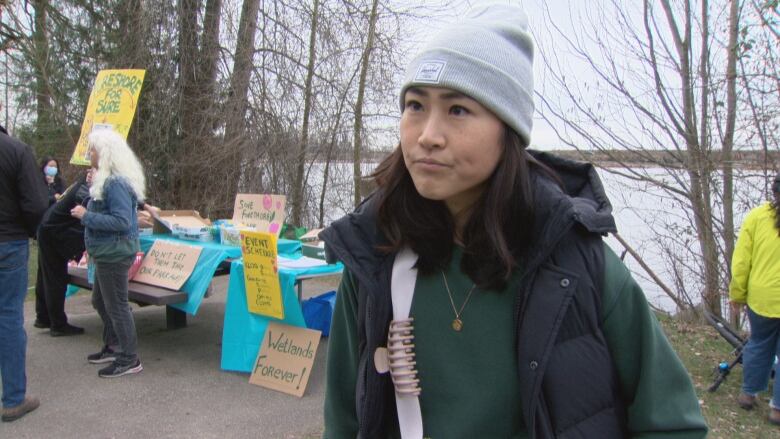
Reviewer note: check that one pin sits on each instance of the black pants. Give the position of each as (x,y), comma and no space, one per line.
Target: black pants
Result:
(54,252)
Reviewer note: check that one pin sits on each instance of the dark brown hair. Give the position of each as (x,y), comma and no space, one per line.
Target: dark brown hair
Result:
(498,227)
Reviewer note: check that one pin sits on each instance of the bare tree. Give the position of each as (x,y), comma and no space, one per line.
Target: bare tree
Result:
(358,132)
(727,235)
(235,126)
(40,38)
(236,98)
(660,78)
(298,183)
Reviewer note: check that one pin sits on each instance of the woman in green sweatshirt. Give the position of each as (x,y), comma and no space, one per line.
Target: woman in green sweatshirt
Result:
(479,300)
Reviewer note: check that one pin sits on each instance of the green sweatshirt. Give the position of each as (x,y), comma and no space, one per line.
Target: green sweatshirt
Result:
(469,378)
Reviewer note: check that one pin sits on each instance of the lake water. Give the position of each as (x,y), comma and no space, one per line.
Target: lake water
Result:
(659,227)
(654,223)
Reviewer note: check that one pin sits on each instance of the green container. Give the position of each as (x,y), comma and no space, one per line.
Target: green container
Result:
(313,251)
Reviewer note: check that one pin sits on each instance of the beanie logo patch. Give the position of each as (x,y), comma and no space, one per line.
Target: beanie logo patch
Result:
(430,72)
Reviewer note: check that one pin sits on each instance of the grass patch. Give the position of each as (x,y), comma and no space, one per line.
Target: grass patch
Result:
(701,348)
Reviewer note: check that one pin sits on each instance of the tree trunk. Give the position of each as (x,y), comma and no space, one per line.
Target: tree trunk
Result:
(43,107)
(235,124)
(299,185)
(131,53)
(728,140)
(697,144)
(197,65)
(188,61)
(712,271)
(358,132)
(209,50)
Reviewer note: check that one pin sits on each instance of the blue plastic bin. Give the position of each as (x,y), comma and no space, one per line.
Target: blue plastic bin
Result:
(318,311)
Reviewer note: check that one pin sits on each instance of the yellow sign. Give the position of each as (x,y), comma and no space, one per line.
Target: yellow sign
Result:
(261,274)
(285,358)
(111,105)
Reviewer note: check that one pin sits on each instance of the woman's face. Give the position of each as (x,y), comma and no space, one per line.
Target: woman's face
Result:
(52,163)
(451,145)
(93,157)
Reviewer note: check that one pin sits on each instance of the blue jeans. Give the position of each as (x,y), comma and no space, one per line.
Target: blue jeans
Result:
(109,298)
(13,339)
(758,357)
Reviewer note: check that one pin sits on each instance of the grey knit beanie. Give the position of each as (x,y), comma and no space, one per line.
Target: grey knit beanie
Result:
(487,56)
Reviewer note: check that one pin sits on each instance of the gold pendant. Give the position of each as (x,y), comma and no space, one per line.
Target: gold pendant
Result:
(457,324)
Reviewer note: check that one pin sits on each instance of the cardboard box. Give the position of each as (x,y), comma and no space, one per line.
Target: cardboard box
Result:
(201,234)
(185,219)
(314,249)
(311,236)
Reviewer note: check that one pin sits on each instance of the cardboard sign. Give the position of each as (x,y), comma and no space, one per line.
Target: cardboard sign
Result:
(168,264)
(285,358)
(111,105)
(263,212)
(261,274)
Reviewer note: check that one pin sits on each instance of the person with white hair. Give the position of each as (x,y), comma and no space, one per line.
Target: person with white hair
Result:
(111,238)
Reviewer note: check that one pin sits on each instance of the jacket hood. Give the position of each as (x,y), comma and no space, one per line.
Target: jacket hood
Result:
(581,201)
(353,239)
(582,187)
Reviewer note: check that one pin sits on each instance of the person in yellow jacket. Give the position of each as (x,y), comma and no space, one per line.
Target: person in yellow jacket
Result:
(755,282)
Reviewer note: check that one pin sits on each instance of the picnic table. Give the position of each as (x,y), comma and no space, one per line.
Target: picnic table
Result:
(214,260)
(243,331)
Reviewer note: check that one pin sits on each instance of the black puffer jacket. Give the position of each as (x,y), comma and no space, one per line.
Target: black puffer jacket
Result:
(60,228)
(568,382)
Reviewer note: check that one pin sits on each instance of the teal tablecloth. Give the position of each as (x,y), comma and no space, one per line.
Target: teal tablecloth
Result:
(210,257)
(242,331)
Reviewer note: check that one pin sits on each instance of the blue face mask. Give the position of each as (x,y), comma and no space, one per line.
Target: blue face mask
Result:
(51,171)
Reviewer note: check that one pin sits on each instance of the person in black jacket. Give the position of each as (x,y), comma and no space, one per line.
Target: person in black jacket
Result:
(23,200)
(60,239)
(50,168)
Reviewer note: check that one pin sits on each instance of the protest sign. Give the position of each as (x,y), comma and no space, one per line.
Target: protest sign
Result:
(111,105)
(168,264)
(285,359)
(261,274)
(263,212)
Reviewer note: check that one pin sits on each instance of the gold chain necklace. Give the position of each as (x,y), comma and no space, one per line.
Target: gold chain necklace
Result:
(457,323)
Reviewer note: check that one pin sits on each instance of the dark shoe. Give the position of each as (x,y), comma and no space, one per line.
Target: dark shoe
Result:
(746,401)
(774,416)
(106,355)
(66,330)
(116,370)
(41,324)
(29,404)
